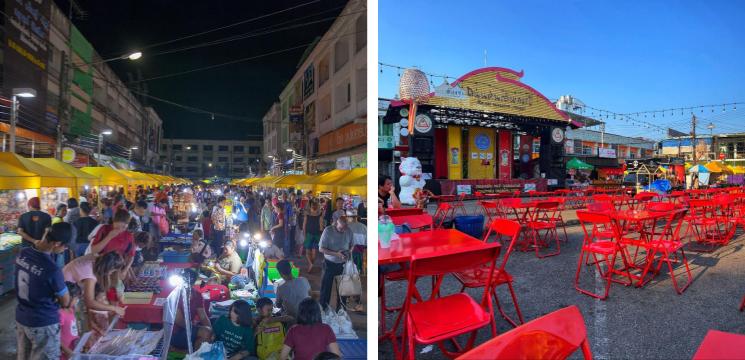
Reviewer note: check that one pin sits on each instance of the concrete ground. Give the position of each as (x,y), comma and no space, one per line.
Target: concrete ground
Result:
(652,322)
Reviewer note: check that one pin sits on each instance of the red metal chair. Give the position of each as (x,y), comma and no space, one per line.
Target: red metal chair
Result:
(432,320)
(460,205)
(491,210)
(476,278)
(608,248)
(553,336)
(542,221)
(444,212)
(709,222)
(742,305)
(558,219)
(665,245)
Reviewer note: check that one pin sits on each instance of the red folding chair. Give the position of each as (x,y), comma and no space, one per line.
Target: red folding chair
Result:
(476,278)
(709,222)
(433,321)
(742,305)
(553,336)
(444,212)
(491,210)
(607,248)
(666,244)
(460,205)
(542,221)
(558,219)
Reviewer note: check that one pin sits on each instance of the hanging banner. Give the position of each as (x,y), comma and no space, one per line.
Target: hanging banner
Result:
(505,154)
(481,145)
(455,157)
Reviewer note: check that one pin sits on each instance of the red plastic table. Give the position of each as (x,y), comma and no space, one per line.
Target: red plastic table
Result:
(403,212)
(439,241)
(721,345)
(414,221)
(149,313)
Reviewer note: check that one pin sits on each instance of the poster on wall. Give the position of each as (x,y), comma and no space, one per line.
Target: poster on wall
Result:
(481,142)
(505,154)
(463,189)
(455,166)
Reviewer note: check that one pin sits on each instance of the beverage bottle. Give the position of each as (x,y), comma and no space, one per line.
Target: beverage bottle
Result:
(385,231)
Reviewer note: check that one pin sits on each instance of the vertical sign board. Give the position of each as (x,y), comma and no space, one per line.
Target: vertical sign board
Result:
(296,128)
(526,150)
(26,53)
(481,153)
(505,154)
(455,153)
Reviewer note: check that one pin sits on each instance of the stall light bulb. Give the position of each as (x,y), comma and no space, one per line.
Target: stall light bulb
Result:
(243,243)
(245,235)
(261,193)
(194,208)
(21,196)
(235,216)
(176,280)
(263,243)
(257,236)
(85,187)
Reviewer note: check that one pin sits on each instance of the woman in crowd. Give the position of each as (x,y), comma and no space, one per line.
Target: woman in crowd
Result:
(236,331)
(310,336)
(91,270)
(312,226)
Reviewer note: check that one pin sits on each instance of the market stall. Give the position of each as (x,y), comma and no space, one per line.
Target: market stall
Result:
(86,185)
(579,172)
(16,186)
(288,181)
(109,179)
(322,184)
(55,187)
(353,188)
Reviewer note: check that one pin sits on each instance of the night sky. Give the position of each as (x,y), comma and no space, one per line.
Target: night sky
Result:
(246,89)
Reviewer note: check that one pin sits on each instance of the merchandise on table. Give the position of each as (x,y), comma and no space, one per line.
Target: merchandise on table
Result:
(127,342)
(12,206)
(51,197)
(143,284)
(9,240)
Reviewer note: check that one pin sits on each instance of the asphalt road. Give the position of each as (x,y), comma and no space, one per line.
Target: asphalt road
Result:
(652,322)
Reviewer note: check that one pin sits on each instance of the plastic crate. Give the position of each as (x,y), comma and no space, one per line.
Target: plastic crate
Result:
(471,225)
(176,257)
(353,349)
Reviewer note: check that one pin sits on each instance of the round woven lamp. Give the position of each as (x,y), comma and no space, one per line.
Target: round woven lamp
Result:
(413,88)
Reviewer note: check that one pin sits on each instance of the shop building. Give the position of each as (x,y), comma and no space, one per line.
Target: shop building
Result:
(200,158)
(727,147)
(322,112)
(487,131)
(71,114)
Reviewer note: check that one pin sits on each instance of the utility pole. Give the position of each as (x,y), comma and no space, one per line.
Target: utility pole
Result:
(63,109)
(693,137)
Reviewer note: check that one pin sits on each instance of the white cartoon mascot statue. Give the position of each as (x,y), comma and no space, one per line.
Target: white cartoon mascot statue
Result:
(411,179)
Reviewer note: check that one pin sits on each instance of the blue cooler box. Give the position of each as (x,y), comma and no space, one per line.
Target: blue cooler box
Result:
(471,225)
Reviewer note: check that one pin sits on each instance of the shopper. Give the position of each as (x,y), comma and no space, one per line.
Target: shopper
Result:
(266,217)
(387,193)
(278,228)
(115,237)
(291,291)
(335,245)
(91,270)
(310,336)
(40,290)
(59,214)
(291,216)
(73,211)
(83,226)
(218,225)
(236,331)
(140,220)
(69,334)
(312,225)
(33,224)
(206,223)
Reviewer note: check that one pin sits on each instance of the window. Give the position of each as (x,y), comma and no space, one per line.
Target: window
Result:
(239,148)
(162,158)
(222,148)
(191,169)
(237,170)
(207,147)
(341,54)
(361,84)
(163,147)
(192,158)
(360,31)
(176,147)
(222,159)
(177,158)
(178,169)
(323,70)
(342,96)
(238,160)
(193,147)
(254,149)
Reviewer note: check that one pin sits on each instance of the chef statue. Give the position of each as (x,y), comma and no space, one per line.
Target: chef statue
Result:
(411,179)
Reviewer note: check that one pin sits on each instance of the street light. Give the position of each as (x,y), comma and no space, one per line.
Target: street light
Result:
(17,92)
(129,56)
(100,141)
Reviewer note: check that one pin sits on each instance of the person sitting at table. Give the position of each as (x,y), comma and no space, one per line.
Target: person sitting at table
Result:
(236,332)
(387,193)
(310,336)
(290,290)
(197,314)
(228,263)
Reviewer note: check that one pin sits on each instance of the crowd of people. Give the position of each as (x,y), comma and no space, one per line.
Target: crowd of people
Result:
(73,265)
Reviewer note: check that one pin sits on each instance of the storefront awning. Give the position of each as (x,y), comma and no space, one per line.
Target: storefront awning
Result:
(578,164)
(81,178)
(48,177)
(108,176)
(354,184)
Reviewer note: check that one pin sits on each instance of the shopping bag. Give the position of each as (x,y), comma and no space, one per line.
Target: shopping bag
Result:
(349,283)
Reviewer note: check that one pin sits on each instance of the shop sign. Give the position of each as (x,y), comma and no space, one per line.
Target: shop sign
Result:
(423,124)
(569,147)
(348,136)
(529,187)
(385,142)
(450,92)
(296,114)
(463,189)
(607,153)
(552,182)
(68,155)
(344,163)
(359,161)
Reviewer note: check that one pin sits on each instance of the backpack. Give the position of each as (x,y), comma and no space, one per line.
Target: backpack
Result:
(269,340)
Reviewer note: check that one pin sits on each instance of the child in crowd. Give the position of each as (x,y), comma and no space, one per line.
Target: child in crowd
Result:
(68,324)
(236,331)
(270,332)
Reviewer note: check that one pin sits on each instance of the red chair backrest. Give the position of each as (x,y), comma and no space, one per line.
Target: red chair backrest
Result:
(595,221)
(553,336)
(660,206)
(600,206)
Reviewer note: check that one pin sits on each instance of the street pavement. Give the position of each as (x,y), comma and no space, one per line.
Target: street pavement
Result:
(652,322)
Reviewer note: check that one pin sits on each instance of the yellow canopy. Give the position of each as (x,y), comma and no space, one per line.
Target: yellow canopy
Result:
(354,183)
(16,178)
(81,178)
(248,181)
(289,181)
(265,181)
(321,182)
(108,176)
(717,167)
(738,169)
(332,183)
(48,177)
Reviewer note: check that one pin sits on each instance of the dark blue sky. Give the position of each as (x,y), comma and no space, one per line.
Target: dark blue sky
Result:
(622,56)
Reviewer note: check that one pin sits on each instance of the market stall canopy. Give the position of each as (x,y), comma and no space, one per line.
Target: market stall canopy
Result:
(320,180)
(247,181)
(289,181)
(138,178)
(81,178)
(354,184)
(738,169)
(332,184)
(48,177)
(15,178)
(578,164)
(265,181)
(718,167)
(108,176)
(698,169)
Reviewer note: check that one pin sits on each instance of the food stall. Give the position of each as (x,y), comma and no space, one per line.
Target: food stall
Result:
(353,188)
(55,187)
(321,184)
(288,181)
(17,185)
(109,179)
(579,172)
(86,185)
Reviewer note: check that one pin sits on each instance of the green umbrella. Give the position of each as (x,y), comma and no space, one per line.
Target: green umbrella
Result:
(578,164)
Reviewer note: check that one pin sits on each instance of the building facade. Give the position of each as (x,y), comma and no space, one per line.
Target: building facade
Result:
(78,95)
(323,109)
(727,147)
(199,158)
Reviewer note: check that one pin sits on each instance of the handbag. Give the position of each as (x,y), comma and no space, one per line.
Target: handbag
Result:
(349,283)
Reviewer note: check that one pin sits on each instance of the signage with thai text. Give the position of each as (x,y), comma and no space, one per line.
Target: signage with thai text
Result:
(347,136)
(607,153)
